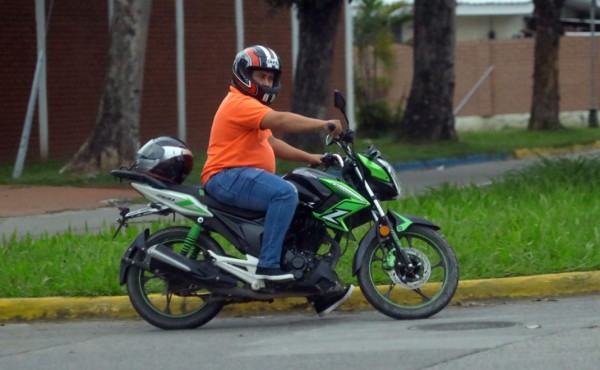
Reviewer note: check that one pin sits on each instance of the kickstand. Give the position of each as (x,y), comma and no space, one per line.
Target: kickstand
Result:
(123,211)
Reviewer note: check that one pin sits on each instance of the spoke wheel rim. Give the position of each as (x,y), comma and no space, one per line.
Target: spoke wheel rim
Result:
(167,300)
(398,293)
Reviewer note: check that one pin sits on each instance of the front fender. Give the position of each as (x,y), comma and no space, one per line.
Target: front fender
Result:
(400,223)
(138,244)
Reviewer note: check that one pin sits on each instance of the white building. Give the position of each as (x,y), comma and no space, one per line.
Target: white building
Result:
(482,19)
(499,19)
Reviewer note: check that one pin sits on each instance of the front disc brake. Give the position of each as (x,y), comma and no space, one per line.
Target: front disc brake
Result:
(422,268)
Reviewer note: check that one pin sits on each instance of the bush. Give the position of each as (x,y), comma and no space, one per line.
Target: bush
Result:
(377,118)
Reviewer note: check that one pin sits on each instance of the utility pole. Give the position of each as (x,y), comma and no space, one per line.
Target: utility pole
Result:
(593,116)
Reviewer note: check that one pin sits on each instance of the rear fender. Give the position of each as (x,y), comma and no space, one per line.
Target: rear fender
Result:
(138,245)
(400,223)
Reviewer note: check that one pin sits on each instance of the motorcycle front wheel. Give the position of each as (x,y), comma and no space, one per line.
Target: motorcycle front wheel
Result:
(408,294)
(163,300)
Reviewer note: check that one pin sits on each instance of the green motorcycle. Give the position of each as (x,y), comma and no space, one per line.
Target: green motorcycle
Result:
(181,277)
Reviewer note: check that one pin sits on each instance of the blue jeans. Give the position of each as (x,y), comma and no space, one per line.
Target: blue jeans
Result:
(259,190)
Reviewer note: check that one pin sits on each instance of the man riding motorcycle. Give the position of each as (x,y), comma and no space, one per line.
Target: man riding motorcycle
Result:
(240,169)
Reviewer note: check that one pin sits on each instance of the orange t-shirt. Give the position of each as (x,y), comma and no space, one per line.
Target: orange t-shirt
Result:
(236,139)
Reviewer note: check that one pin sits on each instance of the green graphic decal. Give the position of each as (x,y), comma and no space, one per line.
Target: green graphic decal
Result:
(335,216)
(405,222)
(376,170)
(192,206)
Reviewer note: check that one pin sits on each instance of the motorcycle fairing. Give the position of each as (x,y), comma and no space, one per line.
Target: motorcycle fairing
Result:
(376,170)
(350,203)
(183,203)
(244,233)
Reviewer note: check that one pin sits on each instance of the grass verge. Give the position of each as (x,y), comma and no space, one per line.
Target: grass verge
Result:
(537,221)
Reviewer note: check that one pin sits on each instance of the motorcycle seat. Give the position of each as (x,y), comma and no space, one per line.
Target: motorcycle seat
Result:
(198,192)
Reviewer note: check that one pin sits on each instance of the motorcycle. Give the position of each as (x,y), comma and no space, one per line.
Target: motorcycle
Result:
(180,277)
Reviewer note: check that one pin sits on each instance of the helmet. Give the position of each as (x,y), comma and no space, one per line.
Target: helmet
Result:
(165,158)
(249,59)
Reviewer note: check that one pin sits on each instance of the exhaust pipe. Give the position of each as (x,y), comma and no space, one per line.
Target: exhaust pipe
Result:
(203,273)
(206,274)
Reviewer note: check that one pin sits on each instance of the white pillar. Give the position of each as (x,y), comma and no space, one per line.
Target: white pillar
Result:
(349,49)
(40,18)
(239,23)
(593,115)
(181,114)
(111,11)
(295,38)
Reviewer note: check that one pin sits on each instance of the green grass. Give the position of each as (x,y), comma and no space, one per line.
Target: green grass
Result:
(537,221)
(540,221)
(484,142)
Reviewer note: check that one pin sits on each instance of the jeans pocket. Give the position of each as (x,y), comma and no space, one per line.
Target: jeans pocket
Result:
(220,186)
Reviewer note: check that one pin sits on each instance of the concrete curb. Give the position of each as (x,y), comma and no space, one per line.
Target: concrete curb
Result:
(536,152)
(64,308)
(450,162)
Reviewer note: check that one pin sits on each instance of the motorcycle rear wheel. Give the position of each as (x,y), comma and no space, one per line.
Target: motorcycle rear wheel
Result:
(164,302)
(416,295)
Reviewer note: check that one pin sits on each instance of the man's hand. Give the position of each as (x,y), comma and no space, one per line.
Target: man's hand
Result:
(315,159)
(334,127)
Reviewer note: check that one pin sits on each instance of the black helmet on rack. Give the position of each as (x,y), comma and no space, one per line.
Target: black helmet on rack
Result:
(249,59)
(165,158)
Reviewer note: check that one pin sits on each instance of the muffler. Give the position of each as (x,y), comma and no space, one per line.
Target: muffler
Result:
(203,273)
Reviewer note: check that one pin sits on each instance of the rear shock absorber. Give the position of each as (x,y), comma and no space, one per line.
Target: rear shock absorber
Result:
(189,244)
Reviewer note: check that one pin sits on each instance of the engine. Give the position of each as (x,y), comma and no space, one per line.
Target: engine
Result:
(305,233)
(301,253)
(302,243)
(312,270)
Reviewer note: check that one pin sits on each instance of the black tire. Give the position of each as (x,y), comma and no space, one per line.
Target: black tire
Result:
(416,296)
(165,309)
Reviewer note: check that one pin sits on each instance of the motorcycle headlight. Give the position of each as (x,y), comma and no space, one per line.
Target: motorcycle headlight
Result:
(393,175)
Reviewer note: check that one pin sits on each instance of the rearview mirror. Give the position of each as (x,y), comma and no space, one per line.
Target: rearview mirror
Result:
(339,101)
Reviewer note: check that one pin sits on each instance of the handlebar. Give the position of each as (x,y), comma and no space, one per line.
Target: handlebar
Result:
(330,160)
(331,126)
(346,136)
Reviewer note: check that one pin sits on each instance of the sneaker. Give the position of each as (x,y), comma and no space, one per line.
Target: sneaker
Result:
(273,274)
(326,304)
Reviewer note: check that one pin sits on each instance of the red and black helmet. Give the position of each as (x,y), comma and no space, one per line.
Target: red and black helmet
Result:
(249,59)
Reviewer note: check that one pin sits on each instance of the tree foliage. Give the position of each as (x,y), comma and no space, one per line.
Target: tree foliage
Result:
(429,113)
(115,136)
(545,103)
(373,38)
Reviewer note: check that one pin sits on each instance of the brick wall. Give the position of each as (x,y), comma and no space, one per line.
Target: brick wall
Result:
(77,44)
(509,87)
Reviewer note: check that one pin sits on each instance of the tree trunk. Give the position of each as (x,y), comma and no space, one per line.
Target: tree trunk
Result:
(429,113)
(115,137)
(318,24)
(545,104)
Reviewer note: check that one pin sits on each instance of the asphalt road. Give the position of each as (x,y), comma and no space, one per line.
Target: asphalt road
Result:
(547,334)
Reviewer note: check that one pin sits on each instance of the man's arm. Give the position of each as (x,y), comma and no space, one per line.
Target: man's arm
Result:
(287,152)
(284,122)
